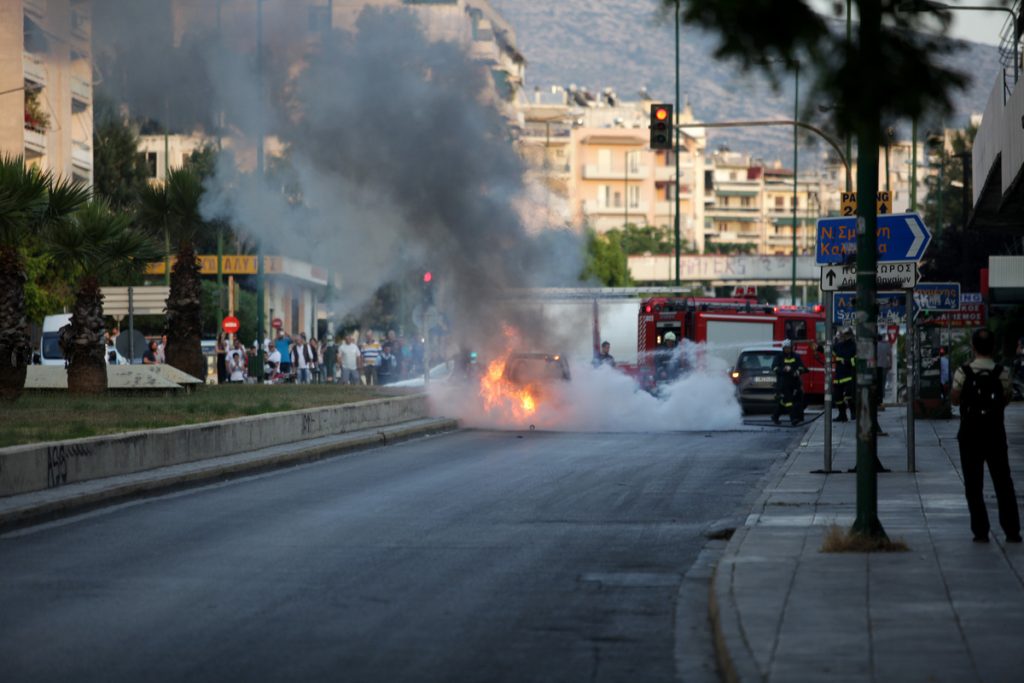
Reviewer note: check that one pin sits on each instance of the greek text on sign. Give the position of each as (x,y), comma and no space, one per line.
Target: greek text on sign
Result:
(848,203)
(899,237)
(970,315)
(937,296)
(892,307)
(897,276)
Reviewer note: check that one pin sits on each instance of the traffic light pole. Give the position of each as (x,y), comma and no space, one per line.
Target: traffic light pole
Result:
(675,152)
(868,138)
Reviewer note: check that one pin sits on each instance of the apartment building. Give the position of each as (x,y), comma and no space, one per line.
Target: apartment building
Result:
(592,155)
(749,205)
(46,78)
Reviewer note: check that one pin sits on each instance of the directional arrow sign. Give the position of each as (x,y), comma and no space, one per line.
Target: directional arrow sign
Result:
(937,296)
(888,276)
(835,278)
(899,236)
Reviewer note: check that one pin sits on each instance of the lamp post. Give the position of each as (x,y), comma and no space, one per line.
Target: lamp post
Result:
(796,116)
(929,6)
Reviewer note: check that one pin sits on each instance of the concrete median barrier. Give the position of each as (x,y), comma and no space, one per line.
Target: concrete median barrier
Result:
(36,467)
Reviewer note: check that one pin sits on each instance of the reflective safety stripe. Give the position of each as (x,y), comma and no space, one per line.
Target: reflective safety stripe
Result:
(844,380)
(786,405)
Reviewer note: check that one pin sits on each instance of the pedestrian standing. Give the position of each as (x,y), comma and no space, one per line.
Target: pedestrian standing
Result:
(236,366)
(283,345)
(845,355)
(387,365)
(300,359)
(314,360)
(884,353)
(149,356)
(161,350)
(221,349)
(982,388)
(371,358)
(605,357)
(330,358)
(789,391)
(350,360)
(944,376)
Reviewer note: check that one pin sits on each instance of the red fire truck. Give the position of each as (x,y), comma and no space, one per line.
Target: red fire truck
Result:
(725,327)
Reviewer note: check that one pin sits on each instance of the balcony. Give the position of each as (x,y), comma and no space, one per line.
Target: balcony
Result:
(36,7)
(35,68)
(484,51)
(594,208)
(35,143)
(81,90)
(595,172)
(79,25)
(81,155)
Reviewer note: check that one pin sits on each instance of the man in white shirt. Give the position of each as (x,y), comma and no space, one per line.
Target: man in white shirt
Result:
(350,360)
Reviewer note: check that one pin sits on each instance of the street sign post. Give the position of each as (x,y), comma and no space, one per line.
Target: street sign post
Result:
(899,237)
(937,296)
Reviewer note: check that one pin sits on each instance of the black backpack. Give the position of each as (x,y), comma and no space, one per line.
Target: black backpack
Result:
(982,398)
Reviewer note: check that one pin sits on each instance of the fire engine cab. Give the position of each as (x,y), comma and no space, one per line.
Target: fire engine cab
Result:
(725,326)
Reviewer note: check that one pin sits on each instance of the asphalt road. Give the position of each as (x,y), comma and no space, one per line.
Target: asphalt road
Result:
(475,556)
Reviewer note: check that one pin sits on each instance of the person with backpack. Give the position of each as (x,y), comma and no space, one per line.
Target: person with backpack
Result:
(982,389)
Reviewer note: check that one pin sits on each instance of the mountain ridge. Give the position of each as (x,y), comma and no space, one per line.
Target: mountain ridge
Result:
(623,44)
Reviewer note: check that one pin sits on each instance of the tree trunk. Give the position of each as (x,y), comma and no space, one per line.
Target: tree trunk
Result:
(184,327)
(82,341)
(15,349)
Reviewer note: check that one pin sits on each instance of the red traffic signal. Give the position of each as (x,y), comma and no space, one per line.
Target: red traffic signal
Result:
(427,277)
(661,126)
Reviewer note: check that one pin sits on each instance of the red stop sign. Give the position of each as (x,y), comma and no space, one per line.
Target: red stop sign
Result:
(230,324)
(277,323)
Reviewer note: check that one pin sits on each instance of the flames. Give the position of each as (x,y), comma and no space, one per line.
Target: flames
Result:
(502,397)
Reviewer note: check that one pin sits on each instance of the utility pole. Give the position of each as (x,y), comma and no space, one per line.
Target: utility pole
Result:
(260,322)
(675,149)
(868,132)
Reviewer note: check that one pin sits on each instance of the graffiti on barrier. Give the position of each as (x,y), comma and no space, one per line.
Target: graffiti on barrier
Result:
(57,458)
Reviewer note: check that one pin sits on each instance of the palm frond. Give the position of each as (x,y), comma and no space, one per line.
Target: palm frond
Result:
(185,192)
(65,197)
(22,198)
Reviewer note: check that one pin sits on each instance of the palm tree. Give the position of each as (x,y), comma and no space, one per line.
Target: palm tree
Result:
(174,207)
(29,200)
(97,243)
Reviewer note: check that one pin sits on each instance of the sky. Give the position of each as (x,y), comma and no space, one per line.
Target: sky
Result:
(980,27)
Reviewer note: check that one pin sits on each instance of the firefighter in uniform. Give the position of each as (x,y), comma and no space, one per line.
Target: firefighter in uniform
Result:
(789,394)
(845,355)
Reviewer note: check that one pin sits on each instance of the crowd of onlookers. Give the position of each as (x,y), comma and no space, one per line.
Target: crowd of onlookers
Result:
(351,358)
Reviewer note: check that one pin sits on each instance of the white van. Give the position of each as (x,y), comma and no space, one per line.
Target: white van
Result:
(50,352)
(49,346)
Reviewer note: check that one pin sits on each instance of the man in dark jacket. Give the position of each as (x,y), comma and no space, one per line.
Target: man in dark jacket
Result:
(789,394)
(982,389)
(845,355)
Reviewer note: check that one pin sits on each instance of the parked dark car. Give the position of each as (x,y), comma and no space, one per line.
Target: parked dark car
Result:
(754,379)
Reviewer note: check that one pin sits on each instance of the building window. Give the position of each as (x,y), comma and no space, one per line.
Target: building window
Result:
(732,175)
(604,159)
(149,163)
(634,196)
(796,329)
(618,200)
(633,162)
(604,196)
(780,202)
(745,202)
(319,19)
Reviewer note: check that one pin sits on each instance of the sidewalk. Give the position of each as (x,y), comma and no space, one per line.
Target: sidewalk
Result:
(948,610)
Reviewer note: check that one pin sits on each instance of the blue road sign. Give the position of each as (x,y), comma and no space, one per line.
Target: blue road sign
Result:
(892,307)
(937,296)
(900,237)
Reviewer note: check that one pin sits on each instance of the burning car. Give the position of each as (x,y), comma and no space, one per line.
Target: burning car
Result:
(515,383)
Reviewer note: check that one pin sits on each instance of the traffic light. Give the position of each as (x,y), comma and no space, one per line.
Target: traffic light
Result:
(661,126)
(428,287)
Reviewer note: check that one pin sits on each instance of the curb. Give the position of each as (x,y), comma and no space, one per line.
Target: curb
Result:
(162,480)
(736,661)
